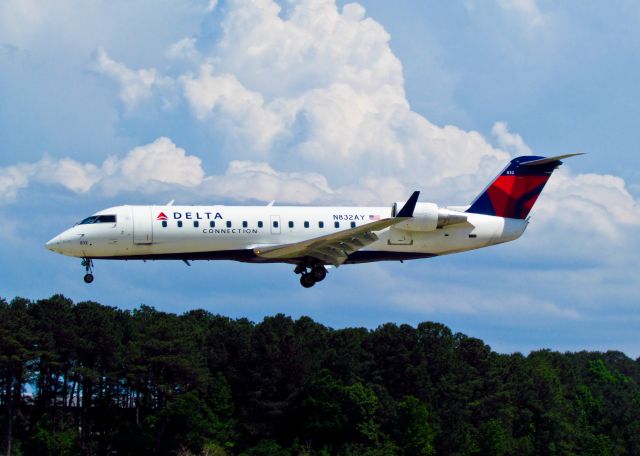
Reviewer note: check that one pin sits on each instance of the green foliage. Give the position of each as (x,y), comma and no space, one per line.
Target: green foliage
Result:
(107,381)
(417,434)
(47,440)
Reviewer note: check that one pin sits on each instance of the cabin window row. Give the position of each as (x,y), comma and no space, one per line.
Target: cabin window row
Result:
(245,224)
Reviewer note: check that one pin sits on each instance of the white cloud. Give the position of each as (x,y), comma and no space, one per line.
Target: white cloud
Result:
(135,85)
(184,49)
(12,179)
(144,168)
(68,173)
(212,5)
(310,103)
(75,176)
(511,142)
(239,112)
(319,90)
(255,180)
(160,162)
(588,204)
(315,93)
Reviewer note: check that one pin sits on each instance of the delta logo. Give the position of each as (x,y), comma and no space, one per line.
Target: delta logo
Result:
(191,216)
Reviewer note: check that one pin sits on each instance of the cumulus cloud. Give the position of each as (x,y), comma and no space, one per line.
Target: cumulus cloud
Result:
(585,204)
(144,168)
(310,102)
(184,49)
(12,179)
(160,162)
(135,85)
(238,111)
(508,141)
(317,89)
(258,180)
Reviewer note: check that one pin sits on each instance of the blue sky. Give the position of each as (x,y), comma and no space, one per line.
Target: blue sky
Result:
(313,102)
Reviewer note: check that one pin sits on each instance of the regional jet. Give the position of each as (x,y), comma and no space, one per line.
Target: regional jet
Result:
(312,238)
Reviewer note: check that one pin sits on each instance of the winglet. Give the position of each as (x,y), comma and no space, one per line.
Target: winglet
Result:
(409,206)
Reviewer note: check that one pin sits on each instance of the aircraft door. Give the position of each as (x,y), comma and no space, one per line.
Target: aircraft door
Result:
(142,225)
(275,224)
(399,237)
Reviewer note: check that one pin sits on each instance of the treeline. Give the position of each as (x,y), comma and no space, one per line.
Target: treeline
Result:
(90,379)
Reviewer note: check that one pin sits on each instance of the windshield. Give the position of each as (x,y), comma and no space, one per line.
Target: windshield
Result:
(98,219)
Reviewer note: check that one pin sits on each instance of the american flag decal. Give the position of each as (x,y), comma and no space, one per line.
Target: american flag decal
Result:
(374,217)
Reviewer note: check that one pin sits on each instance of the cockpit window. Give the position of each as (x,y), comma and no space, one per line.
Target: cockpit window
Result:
(98,219)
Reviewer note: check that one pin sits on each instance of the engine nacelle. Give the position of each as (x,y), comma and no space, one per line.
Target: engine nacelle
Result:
(428,217)
(425,217)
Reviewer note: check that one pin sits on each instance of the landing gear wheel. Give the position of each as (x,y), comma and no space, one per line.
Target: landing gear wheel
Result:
(87,263)
(319,273)
(307,280)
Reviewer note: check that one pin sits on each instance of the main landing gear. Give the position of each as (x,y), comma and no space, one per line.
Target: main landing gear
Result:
(310,274)
(88,267)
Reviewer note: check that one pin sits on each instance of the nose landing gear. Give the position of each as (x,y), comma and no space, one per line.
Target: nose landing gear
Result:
(88,267)
(310,273)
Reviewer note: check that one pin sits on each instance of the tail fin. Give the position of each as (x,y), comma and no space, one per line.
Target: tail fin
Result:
(514,191)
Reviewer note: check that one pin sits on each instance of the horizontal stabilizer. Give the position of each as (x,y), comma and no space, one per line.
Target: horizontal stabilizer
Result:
(548,160)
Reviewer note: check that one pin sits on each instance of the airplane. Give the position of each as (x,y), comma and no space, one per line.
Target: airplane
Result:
(312,238)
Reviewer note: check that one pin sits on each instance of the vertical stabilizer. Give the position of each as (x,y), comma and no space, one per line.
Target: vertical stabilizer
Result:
(515,190)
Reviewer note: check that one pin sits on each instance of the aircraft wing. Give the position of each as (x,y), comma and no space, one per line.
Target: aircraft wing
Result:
(335,248)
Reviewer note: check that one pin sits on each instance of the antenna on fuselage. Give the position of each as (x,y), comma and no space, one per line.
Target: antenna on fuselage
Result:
(170,203)
(271,203)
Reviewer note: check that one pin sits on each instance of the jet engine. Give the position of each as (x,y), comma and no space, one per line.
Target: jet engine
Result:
(428,217)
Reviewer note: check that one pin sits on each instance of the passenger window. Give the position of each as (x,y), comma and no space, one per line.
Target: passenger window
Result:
(212,224)
(164,224)
(320,224)
(179,223)
(245,224)
(337,224)
(228,223)
(275,224)
(306,224)
(260,224)
(353,224)
(196,224)
(290,224)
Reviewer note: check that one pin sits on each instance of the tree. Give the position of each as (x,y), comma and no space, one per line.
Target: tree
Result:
(418,437)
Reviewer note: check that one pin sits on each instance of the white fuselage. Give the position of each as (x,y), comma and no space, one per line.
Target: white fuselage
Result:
(232,232)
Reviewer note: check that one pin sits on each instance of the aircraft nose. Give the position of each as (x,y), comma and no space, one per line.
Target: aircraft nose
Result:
(53,244)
